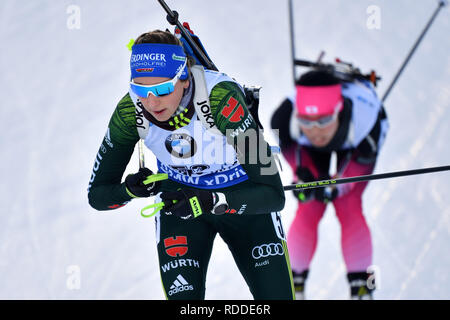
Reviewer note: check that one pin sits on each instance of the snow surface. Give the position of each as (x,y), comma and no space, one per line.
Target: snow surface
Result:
(60,87)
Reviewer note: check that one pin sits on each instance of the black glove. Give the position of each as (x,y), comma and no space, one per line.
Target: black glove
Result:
(326,194)
(142,184)
(191,203)
(304,175)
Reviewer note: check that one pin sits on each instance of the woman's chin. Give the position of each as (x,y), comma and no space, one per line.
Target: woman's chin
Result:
(320,143)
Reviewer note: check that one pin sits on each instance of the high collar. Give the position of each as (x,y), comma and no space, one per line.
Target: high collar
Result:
(184,111)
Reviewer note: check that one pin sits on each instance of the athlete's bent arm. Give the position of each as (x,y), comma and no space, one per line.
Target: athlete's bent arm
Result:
(106,191)
(263,191)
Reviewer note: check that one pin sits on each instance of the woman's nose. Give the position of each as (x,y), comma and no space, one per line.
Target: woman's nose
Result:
(152,101)
(314,130)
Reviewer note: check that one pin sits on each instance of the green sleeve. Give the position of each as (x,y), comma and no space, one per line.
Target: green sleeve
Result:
(106,191)
(234,120)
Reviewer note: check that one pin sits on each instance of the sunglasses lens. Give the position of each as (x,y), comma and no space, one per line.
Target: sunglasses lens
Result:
(158,90)
(321,122)
(325,121)
(139,90)
(304,123)
(163,89)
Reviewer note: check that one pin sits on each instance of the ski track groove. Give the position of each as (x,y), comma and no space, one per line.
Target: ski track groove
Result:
(440,108)
(324,293)
(443,221)
(108,277)
(31,222)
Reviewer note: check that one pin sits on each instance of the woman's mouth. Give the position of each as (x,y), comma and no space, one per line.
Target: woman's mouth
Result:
(320,141)
(159,112)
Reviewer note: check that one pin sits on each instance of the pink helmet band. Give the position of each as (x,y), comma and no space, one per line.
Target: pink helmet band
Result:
(318,100)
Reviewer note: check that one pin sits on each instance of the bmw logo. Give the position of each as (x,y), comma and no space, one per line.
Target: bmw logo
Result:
(181,145)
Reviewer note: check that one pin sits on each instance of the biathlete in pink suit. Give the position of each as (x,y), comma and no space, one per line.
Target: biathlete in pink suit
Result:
(326,115)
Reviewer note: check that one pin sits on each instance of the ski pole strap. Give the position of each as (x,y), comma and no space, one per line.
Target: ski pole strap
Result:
(324,183)
(157,208)
(156,177)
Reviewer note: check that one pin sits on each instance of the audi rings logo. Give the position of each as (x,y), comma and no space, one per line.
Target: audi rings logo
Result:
(265,250)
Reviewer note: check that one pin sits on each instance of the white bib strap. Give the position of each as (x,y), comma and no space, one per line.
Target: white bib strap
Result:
(201,100)
(142,124)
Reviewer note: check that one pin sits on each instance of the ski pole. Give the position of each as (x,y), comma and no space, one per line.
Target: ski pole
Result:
(141,154)
(324,183)
(441,4)
(291,31)
(331,182)
(172,18)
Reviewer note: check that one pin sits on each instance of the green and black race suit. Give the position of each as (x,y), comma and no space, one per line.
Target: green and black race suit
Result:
(262,192)
(253,233)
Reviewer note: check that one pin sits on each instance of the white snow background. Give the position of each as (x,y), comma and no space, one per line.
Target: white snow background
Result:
(60,86)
